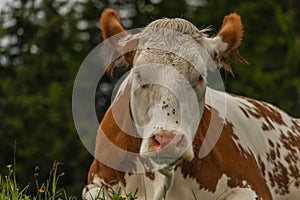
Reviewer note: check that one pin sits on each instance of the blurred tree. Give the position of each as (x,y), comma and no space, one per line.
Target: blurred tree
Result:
(43,43)
(42,46)
(271,45)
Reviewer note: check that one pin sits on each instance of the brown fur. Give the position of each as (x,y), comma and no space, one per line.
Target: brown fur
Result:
(225,158)
(111,128)
(231,32)
(110,24)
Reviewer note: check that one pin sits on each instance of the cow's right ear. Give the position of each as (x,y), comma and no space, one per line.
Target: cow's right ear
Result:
(118,38)
(226,42)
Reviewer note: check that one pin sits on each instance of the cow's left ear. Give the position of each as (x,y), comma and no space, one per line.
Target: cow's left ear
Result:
(226,42)
(119,39)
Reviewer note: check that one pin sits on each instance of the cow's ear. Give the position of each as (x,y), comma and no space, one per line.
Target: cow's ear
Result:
(124,43)
(227,41)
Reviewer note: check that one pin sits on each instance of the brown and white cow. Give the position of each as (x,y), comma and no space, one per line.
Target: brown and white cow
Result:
(151,138)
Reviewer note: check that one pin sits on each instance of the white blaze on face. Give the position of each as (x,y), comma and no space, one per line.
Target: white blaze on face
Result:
(167,97)
(163,100)
(167,93)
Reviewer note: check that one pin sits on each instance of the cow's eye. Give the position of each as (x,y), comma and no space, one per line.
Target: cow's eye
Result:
(200,79)
(144,86)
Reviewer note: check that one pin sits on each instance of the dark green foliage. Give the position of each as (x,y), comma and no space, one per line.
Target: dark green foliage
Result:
(271,45)
(46,42)
(37,71)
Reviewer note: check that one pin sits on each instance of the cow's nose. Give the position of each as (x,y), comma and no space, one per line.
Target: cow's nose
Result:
(167,140)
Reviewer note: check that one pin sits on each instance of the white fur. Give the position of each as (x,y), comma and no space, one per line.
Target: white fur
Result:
(253,139)
(180,188)
(95,190)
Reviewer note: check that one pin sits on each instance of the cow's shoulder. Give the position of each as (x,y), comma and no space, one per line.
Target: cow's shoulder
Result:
(265,134)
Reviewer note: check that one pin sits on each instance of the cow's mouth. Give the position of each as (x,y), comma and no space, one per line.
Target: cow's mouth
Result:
(166,148)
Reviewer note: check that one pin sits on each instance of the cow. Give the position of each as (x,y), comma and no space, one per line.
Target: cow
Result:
(167,135)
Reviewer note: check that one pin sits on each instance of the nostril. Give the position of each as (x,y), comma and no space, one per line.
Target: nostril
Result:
(155,143)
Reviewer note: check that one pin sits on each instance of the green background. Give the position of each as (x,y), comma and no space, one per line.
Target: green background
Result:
(43,43)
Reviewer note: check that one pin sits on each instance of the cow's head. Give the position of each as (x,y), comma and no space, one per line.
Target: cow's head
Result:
(170,59)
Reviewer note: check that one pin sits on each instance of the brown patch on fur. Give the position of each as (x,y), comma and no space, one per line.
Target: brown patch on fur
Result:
(291,142)
(109,130)
(281,177)
(225,158)
(262,166)
(129,50)
(265,127)
(296,125)
(231,32)
(109,175)
(244,111)
(110,24)
(264,111)
(110,133)
(149,175)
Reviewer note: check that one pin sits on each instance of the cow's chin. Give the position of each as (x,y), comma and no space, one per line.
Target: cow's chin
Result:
(164,159)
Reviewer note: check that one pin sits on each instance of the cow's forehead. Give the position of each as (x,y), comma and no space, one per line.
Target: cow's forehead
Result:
(174,42)
(154,57)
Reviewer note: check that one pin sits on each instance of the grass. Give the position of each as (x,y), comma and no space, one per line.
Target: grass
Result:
(117,195)
(48,190)
(9,189)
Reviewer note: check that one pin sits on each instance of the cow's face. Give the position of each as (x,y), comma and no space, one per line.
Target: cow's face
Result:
(167,102)
(167,95)
(170,61)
